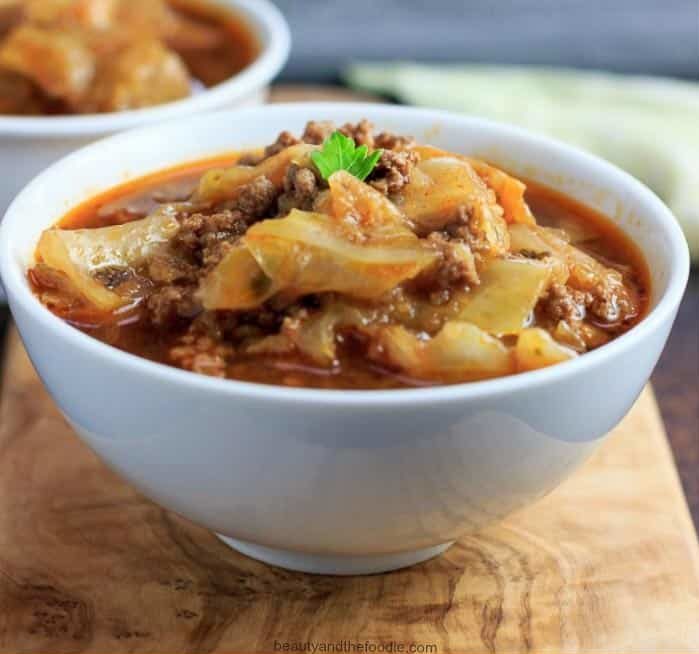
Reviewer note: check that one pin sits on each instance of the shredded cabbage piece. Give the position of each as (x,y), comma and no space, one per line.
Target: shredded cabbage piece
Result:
(459,350)
(307,253)
(79,253)
(316,336)
(360,208)
(526,239)
(507,295)
(509,190)
(142,74)
(442,186)
(536,349)
(237,282)
(586,272)
(56,60)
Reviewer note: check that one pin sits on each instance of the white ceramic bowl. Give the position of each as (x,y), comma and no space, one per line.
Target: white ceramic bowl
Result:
(340,481)
(29,144)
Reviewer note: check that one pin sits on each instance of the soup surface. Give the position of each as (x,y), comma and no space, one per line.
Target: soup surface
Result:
(343,259)
(92,56)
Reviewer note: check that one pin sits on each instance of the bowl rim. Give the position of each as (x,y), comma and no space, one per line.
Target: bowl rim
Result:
(665,309)
(270,28)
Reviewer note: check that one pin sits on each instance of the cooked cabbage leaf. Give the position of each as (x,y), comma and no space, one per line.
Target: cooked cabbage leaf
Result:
(459,351)
(586,273)
(79,253)
(361,210)
(237,282)
(577,231)
(315,336)
(509,190)
(605,284)
(507,295)
(526,240)
(57,60)
(440,188)
(537,349)
(306,253)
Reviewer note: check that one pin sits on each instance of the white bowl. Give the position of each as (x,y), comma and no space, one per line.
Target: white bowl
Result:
(340,482)
(30,144)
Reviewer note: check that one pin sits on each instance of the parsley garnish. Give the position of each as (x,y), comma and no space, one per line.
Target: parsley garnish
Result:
(340,152)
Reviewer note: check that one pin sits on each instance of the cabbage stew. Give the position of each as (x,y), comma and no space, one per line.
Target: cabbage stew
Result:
(97,56)
(342,259)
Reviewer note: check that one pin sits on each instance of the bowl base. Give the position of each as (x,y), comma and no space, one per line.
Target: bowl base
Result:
(328,564)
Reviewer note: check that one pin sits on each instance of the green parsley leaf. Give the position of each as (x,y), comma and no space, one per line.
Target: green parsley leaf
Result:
(340,152)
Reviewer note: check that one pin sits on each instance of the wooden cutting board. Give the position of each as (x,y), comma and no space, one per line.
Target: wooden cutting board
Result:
(609,562)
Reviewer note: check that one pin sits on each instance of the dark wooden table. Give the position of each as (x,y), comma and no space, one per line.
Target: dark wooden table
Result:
(676,387)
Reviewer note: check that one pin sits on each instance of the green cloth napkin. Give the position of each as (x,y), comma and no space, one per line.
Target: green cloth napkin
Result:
(648,126)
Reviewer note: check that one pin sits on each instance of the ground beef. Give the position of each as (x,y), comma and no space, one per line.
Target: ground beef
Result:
(390,141)
(456,268)
(201,234)
(216,324)
(468,228)
(212,255)
(202,354)
(171,304)
(300,189)
(393,170)
(362,133)
(284,140)
(565,303)
(257,198)
(607,306)
(168,268)
(317,131)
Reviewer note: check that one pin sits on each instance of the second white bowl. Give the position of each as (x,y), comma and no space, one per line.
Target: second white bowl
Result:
(30,144)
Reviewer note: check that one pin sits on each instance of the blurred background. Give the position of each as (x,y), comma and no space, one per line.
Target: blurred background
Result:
(659,37)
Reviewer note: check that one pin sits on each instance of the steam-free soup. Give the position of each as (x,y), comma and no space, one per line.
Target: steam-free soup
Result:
(93,56)
(343,259)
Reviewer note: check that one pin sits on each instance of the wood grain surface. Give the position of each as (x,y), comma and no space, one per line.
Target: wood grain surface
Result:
(608,562)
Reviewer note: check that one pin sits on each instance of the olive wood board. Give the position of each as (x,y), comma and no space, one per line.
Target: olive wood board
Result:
(609,562)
